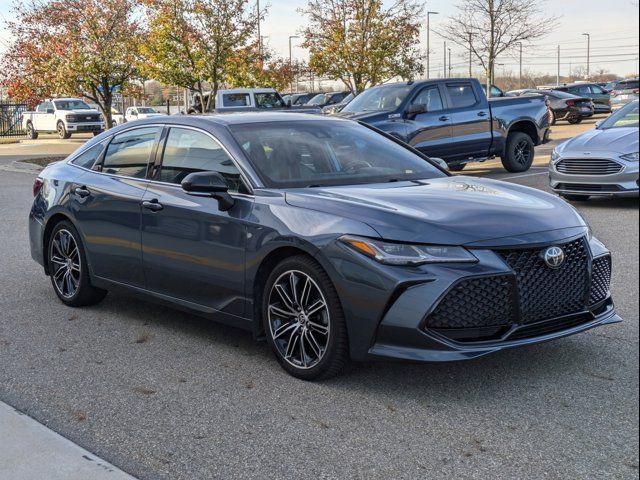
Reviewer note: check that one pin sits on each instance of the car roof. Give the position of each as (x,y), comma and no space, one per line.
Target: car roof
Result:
(237,118)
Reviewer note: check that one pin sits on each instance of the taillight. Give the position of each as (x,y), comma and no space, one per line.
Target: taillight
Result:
(571,103)
(37,186)
(636,91)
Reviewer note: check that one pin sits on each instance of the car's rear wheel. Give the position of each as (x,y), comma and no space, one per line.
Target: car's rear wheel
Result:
(575,198)
(31,132)
(62,131)
(552,117)
(303,319)
(68,268)
(574,120)
(519,153)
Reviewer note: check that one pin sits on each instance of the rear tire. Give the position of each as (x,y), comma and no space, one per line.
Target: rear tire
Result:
(68,268)
(552,118)
(519,153)
(31,132)
(575,120)
(62,131)
(303,319)
(575,198)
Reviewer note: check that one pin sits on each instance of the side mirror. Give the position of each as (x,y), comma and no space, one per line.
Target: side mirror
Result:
(441,163)
(209,184)
(416,109)
(50,111)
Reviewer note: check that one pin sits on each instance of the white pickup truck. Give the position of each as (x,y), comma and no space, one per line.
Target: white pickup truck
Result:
(63,116)
(247,99)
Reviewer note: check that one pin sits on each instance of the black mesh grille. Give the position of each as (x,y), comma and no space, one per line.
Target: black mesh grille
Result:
(478,302)
(600,280)
(546,292)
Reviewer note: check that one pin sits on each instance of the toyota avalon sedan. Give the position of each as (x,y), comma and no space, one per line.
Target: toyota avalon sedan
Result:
(325,237)
(599,162)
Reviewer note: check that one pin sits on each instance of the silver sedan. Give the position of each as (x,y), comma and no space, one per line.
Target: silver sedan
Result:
(599,162)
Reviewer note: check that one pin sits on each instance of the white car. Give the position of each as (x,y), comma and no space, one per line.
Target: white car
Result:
(138,113)
(63,116)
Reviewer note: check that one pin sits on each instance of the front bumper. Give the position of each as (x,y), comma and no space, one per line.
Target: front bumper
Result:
(86,127)
(622,184)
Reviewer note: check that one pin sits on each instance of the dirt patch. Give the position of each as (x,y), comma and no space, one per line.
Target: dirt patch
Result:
(42,161)
(8,141)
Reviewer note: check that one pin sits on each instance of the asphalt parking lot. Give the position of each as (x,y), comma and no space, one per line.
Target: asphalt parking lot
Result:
(162,394)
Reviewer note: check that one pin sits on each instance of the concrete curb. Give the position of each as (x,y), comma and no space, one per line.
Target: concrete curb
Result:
(31,451)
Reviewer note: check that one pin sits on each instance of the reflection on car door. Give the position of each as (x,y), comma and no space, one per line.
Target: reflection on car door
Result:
(471,121)
(192,251)
(109,206)
(432,129)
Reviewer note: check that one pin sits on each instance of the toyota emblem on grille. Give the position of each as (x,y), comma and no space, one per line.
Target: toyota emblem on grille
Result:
(553,257)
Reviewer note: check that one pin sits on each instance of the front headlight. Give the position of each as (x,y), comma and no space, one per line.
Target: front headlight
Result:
(404,254)
(632,157)
(70,118)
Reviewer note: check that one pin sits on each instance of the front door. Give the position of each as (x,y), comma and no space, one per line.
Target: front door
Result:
(109,205)
(432,129)
(192,251)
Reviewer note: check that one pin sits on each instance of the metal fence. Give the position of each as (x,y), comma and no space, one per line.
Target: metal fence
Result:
(11,119)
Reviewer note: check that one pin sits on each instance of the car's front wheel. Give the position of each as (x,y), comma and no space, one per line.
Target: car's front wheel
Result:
(303,319)
(62,131)
(68,268)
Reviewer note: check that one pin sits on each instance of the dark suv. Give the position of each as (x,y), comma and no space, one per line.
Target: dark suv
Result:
(601,98)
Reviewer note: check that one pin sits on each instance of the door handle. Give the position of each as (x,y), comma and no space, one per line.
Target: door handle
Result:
(482,114)
(153,205)
(82,192)
(444,119)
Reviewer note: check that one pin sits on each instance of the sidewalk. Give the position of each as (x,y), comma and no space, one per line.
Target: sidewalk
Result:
(30,451)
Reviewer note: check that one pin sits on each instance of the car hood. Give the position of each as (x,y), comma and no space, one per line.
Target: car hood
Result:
(620,140)
(449,211)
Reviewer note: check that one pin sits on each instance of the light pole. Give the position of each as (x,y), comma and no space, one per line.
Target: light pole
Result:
(588,53)
(520,78)
(291,37)
(428,34)
(449,63)
(444,69)
(470,54)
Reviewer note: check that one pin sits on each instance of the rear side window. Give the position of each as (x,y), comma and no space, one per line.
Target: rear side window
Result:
(187,151)
(581,90)
(89,157)
(462,95)
(235,100)
(129,153)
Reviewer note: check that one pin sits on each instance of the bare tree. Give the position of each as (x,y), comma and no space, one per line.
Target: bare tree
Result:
(496,27)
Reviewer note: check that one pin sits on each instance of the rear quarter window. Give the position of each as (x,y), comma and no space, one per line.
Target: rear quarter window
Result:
(88,158)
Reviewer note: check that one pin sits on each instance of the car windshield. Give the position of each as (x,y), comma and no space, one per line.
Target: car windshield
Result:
(387,97)
(319,99)
(325,153)
(269,100)
(626,117)
(146,110)
(71,105)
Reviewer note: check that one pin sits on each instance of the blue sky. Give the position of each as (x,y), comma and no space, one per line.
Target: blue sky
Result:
(613,29)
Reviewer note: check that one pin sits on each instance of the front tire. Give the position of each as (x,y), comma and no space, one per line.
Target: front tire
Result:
(303,319)
(69,269)
(62,131)
(552,118)
(519,153)
(575,120)
(31,132)
(457,167)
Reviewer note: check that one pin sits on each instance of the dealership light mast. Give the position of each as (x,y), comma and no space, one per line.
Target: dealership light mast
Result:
(428,34)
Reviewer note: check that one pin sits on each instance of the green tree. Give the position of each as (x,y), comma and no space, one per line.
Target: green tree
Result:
(74,47)
(362,42)
(193,43)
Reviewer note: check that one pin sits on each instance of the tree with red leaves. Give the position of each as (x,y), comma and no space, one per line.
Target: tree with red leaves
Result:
(71,47)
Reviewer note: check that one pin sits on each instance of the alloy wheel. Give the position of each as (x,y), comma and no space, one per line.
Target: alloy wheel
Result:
(65,262)
(523,152)
(299,319)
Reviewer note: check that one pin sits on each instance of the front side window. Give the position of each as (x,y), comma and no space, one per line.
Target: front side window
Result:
(129,153)
(462,95)
(268,100)
(323,153)
(318,100)
(430,98)
(89,157)
(236,100)
(146,110)
(43,107)
(188,151)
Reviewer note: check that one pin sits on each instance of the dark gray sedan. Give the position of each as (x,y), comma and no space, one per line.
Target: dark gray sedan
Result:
(323,236)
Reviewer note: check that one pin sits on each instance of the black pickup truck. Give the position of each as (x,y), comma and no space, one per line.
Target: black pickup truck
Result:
(452,119)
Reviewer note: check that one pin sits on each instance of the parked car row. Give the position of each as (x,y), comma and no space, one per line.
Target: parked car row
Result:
(562,105)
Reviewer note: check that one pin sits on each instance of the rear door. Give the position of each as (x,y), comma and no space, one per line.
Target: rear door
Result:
(109,209)
(192,251)
(431,131)
(471,120)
